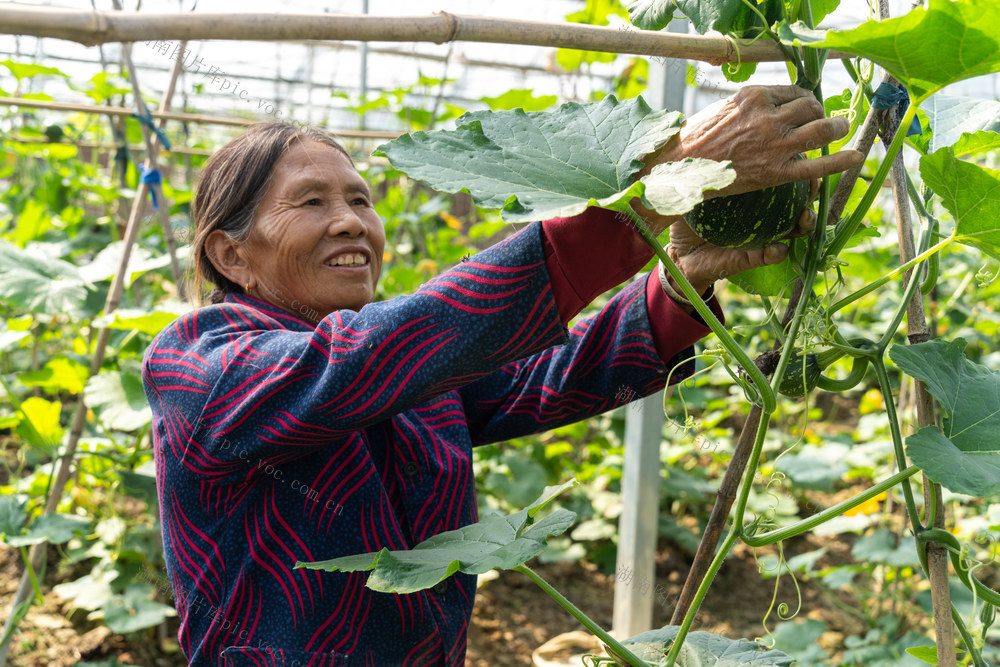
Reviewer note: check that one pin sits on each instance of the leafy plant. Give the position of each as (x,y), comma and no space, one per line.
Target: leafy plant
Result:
(956,455)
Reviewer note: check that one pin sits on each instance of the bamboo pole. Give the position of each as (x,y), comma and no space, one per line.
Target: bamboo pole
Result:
(91,28)
(169,115)
(918,332)
(37,552)
(152,142)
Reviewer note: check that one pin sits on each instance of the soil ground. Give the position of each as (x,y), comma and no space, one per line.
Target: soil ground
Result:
(512,617)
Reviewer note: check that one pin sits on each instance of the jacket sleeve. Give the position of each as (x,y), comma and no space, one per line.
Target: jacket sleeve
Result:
(228,383)
(609,359)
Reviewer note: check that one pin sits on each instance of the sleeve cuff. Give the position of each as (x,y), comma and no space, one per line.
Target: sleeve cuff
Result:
(588,254)
(674,330)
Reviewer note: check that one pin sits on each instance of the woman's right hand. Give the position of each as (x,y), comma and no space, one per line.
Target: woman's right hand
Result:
(762,131)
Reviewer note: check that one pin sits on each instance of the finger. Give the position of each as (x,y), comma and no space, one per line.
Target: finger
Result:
(774,253)
(824,165)
(814,188)
(817,133)
(786,94)
(801,111)
(807,222)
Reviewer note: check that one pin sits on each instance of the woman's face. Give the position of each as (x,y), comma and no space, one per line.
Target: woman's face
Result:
(316,243)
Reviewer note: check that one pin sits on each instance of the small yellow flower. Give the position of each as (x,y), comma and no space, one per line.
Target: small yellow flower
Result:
(870,506)
(428,266)
(451,220)
(871,402)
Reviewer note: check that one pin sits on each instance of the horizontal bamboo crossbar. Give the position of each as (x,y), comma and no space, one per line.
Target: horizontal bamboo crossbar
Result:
(184,117)
(98,27)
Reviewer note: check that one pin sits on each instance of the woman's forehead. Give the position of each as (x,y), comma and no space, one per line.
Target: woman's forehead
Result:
(312,162)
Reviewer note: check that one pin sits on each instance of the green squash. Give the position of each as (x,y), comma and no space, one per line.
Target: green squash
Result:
(750,220)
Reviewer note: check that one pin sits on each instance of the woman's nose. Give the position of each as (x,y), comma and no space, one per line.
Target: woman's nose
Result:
(345,221)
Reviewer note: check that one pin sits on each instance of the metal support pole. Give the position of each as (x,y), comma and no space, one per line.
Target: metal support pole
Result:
(635,581)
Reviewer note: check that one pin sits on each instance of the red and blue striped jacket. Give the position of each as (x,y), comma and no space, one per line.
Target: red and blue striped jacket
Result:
(278,441)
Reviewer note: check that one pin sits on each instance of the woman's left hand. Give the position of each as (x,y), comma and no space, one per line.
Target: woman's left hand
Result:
(703,263)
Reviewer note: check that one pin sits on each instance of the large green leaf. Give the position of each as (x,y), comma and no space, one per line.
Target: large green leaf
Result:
(538,165)
(883,547)
(926,49)
(970,193)
(52,528)
(58,374)
(964,454)
(703,649)
(521,98)
(40,424)
(105,263)
(149,322)
(13,516)
(954,119)
(651,14)
(133,610)
(118,399)
(495,542)
(40,284)
(28,70)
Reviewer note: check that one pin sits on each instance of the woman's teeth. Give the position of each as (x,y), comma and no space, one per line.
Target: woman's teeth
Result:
(356,259)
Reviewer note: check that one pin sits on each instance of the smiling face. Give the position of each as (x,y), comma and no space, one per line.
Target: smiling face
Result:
(316,243)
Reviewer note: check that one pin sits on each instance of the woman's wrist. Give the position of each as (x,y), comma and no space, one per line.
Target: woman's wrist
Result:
(673,290)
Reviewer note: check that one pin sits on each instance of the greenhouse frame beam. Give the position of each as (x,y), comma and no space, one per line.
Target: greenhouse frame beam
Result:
(183,117)
(99,27)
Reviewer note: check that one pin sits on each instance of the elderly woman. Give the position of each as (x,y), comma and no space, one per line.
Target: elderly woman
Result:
(296,419)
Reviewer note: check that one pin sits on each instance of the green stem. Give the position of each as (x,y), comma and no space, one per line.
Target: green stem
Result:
(859,367)
(702,591)
(829,513)
(612,643)
(890,331)
(942,536)
(765,393)
(845,229)
(898,271)
(897,439)
(970,645)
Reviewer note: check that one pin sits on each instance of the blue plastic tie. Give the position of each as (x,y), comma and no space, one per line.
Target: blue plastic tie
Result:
(152,177)
(147,119)
(886,95)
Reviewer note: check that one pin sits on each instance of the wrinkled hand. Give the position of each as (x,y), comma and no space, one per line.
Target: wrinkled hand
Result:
(761,130)
(703,263)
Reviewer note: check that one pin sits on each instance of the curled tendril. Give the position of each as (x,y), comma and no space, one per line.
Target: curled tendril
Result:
(848,113)
(985,276)
(988,538)
(680,392)
(782,609)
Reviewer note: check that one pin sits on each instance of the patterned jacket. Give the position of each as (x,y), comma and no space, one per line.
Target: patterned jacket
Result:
(279,441)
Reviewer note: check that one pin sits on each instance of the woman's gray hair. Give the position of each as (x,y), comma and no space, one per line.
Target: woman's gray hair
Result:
(230,188)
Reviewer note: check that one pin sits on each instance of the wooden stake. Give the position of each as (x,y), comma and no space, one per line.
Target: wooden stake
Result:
(152,142)
(37,552)
(184,117)
(91,28)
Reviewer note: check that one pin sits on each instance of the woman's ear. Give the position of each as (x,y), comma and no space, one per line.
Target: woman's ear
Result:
(228,257)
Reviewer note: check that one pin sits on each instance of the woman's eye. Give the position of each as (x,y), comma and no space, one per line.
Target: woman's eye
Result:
(312,202)
(359,201)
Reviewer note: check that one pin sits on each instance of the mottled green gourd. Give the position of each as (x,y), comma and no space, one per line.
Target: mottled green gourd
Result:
(750,220)
(801,375)
(805,372)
